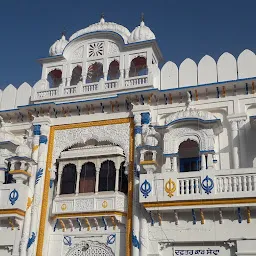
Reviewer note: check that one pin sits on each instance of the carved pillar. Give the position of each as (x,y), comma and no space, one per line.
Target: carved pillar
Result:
(39,184)
(117,165)
(68,81)
(97,179)
(168,164)
(127,73)
(143,233)
(78,172)
(137,129)
(203,162)
(60,171)
(27,220)
(105,76)
(84,79)
(242,143)
(234,144)
(175,164)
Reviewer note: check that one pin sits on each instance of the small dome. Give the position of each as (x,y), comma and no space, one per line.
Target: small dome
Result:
(58,47)
(141,33)
(104,26)
(23,151)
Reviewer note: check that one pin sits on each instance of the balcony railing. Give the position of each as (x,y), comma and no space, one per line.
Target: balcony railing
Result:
(91,88)
(200,185)
(90,202)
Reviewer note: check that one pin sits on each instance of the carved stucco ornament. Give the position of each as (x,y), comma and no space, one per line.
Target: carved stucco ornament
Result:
(117,134)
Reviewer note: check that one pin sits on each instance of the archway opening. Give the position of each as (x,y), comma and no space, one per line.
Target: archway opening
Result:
(113,71)
(68,179)
(138,67)
(189,156)
(76,75)
(87,178)
(55,78)
(107,176)
(148,156)
(95,73)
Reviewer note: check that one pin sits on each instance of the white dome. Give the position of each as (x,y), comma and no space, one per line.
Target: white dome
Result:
(58,47)
(141,33)
(104,26)
(23,151)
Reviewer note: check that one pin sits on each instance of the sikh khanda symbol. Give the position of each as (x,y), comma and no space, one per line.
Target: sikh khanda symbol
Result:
(145,188)
(207,185)
(170,187)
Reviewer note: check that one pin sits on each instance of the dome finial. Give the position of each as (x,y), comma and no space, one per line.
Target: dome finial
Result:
(102,20)
(142,20)
(142,16)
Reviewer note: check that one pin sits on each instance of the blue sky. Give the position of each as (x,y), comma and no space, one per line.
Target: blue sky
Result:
(183,28)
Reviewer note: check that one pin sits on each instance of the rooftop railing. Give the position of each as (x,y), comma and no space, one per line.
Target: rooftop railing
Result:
(92,88)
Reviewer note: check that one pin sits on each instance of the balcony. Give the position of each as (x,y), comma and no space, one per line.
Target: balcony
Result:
(92,89)
(207,187)
(90,203)
(14,200)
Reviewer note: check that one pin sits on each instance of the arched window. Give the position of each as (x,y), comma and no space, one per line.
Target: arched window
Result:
(123,180)
(55,78)
(76,75)
(189,156)
(107,176)
(95,73)
(148,156)
(68,179)
(138,67)
(113,71)
(87,178)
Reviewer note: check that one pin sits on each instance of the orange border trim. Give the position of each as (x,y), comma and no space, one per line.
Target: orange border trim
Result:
(201,202)
(13,211)
(44,209)
(88,214)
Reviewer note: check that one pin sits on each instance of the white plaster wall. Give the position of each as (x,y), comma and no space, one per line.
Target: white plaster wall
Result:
(227,67)
(246,64)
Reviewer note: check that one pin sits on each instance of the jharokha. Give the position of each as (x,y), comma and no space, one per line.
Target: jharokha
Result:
(109,154)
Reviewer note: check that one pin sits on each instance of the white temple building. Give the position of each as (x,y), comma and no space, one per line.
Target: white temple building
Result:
(109,154)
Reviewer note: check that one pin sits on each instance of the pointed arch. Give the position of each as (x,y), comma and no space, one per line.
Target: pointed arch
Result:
(227,67)
(107,176)
(76,75)
(207,70)
(113,70)
(68,179)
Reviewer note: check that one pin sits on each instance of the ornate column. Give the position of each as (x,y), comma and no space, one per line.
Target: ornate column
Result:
(27,220)
(59,179)
(68,81)
(234,143)
(117,165)
(203,162)
(78,172)
(143,233)
(242,143)
(39,184)
(97,178)
(137,129)
(174,164)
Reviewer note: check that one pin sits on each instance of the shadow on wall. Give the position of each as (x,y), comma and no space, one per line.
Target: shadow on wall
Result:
(208,71)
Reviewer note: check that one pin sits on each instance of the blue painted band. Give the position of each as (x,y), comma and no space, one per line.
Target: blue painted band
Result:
(43,139)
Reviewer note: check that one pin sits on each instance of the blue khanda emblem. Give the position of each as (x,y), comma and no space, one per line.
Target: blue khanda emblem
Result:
(13,197)
(111,239)
(207,185)
(67,240)
(145,188)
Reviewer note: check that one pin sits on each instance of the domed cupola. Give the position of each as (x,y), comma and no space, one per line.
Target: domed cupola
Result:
(58,47)
(141,33)
(102,25)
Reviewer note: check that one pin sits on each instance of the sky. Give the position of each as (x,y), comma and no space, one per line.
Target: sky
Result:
(183,28)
